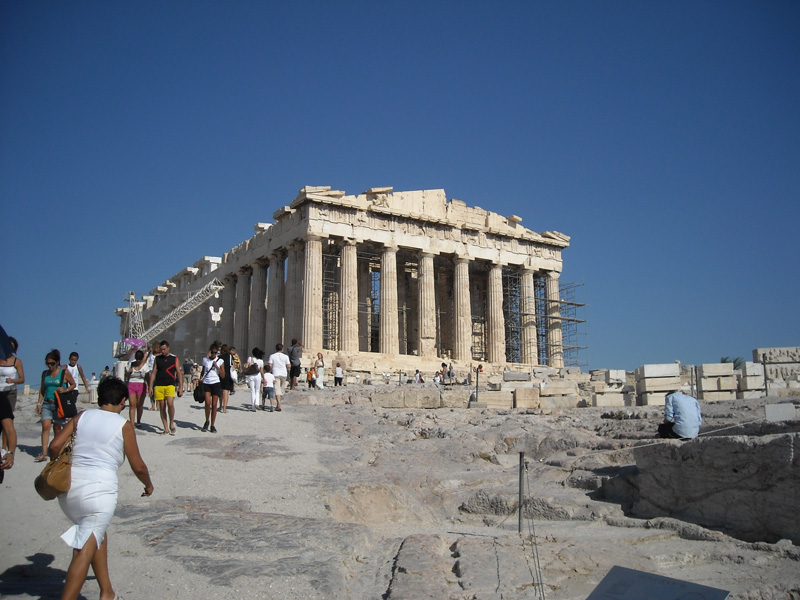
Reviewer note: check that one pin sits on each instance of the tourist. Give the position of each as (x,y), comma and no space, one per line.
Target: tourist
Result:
(103,440)
(437,377)
(278,363)
(682,418)
(213,373)
(236,367)
(103,374)
(165,380)
(255,360)
(320,368)
(268,388)
(338,375)
(311,377)
(295,354)
(77,371)
(188,367)
(12,374)
(149,362)
(418,377)
(53,378)
(9,436)
(226,381)
(137,388)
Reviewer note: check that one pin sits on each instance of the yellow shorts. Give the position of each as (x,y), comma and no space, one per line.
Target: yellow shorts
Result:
(164,391)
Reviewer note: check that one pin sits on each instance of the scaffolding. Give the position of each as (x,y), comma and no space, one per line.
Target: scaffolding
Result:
(513,314)
(572,333)
(369,305)
(331,266)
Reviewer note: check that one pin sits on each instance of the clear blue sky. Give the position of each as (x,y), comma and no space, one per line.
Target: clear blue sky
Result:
(664,137)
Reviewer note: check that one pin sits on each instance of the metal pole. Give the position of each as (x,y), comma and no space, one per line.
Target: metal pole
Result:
(521,487)
(764,368)
(477,374)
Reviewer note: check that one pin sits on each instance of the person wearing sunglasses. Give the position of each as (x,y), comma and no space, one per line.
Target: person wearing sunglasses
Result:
(46,405)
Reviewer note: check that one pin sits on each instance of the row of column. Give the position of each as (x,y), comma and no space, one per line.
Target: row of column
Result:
(295,298)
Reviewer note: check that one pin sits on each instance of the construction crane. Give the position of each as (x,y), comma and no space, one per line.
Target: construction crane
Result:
(135,333)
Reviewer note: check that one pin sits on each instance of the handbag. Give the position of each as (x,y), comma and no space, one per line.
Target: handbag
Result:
(252,369)
(56,477)
(66,402)
(199,392)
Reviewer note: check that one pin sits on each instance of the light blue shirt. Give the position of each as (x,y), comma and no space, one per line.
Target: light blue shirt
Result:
(685,412)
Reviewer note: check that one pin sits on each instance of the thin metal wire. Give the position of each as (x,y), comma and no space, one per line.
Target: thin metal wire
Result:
(538,579)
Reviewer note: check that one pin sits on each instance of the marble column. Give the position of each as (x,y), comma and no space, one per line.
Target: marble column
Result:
(463,315)
(242,311)
(389,340)
(225,323)
(258,305)
(427,306)
(367,314)
(495,319)
(555,351)
(349,298)
(275,301)
(530,347)
(312,294)
(293,324)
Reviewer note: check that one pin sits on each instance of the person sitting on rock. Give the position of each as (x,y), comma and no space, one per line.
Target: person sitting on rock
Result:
(682,417)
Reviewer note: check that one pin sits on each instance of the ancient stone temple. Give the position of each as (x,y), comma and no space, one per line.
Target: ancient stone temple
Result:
(383,281)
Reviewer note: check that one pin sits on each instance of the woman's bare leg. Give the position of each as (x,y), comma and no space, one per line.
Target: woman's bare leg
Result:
(45,435)
(134,399)
(78,568)
(100,568)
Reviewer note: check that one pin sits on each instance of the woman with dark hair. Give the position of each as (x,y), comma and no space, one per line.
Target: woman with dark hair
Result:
(103,440)
(11,375)
(213,373)
(256,361)
(53,377)
(137,387)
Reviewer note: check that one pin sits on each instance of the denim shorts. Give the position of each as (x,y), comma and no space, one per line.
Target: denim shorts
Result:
(49,413)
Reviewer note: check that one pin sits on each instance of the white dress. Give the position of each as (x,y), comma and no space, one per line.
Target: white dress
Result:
(92,497)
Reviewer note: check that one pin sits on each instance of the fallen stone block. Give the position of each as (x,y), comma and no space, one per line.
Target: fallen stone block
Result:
(715,370)
(559,388)
(711,396)
(751,382)
(615,376)
(455,398)
(516,376)
(752,369)
(658,370)
(749,394)
(658,384)
(559,402)
(496,399)
(609,399)
(651,398)
(527,398)
(544,372)
(388,399)
(716,384)
(421,398)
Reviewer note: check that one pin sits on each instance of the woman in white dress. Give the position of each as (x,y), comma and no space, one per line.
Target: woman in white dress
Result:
(103,440)
(255,360)
(320,365)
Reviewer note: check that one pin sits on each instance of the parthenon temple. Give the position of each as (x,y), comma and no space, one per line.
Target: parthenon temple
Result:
(384,280)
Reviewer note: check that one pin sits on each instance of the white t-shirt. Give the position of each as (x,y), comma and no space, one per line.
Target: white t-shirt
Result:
(279,361)
(269,380)
(211,368)
(339,372)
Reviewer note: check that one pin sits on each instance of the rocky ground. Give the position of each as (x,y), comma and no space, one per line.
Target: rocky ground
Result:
(337,498)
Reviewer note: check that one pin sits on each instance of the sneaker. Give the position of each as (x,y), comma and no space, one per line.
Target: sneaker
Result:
(213,429)
(205,427)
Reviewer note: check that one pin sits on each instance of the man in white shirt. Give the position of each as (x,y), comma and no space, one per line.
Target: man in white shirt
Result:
(279,363)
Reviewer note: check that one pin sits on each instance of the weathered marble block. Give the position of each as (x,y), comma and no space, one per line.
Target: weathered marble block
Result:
(615,376)
(516,376)
(715,370)
(751,382)
(752,369)
(749,394)
(783,354)
(559,402)
(526,398)
(711,396)
(714,384)
(497,399)
(658,384)
(651,398)
(658,370)
(610,399)
(559,388)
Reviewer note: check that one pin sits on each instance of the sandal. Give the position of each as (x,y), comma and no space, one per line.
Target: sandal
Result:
(40,458)
(173,431)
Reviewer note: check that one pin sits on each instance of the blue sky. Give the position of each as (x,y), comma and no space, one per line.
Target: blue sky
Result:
(663,137)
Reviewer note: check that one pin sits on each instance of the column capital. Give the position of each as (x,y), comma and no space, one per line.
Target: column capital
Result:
(262,261)
(430,253)
(459,259)
(312,237)
(392,247)
(553,274)
(245,269)
(276,254)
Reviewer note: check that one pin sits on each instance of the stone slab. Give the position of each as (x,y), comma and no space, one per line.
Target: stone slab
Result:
(527,398)
(455,397)
(496,399)
(615,376)
(784,411)
(778,354)
(749,394)
(516,376)
(715,396)
(715,369)
(658,370)
(559,388)
(651,398)
(752,369)
(751,382)
(658,384)
(559,402)
(716,384)
(421,398)
(609,399)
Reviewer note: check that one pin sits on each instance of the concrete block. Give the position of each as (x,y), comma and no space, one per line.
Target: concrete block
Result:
(559,388)
(751,382)
(715,370)
(526,398)
(615,376)
(658,384)
(752,369)
(612,399)
(749,394)
(516,376)
(717,396)
(658,370)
